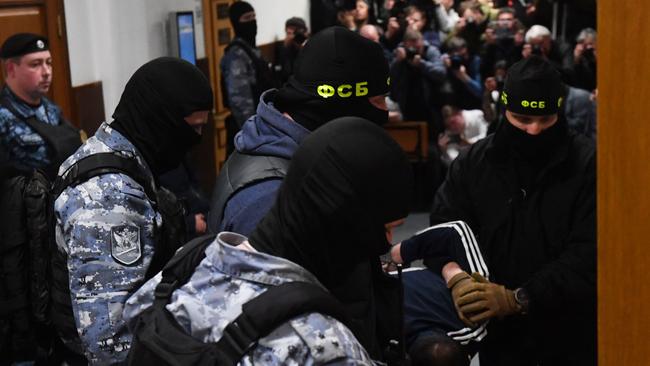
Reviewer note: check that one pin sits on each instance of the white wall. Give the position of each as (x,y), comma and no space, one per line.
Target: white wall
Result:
(109,39)
(271,15)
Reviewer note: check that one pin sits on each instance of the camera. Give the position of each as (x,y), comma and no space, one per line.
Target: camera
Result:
(456,62)
(411,52)
(398,9)
(299,37)
(589,54)
(537,50)
(501,32)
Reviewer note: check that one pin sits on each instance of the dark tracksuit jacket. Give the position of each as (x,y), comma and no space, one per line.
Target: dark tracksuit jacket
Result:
(541,237)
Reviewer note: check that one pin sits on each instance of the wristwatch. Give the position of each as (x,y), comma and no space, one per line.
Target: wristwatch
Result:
(521,297)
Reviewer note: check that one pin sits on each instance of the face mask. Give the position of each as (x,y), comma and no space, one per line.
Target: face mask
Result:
(373,114)
(533,148)
(247,31)
(172,156)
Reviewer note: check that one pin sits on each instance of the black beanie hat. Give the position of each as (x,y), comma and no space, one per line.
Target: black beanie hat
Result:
(337,63)
(23,43)
(238,9)
(533,87)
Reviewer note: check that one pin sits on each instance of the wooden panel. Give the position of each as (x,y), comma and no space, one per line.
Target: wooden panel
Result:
(412,137)
(203,157)
(623,181)
(216,23)
(18,19)
(88,103)
(220,139)
(61,84)
(268,51)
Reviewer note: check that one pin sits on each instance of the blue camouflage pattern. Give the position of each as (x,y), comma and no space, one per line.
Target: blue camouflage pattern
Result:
(88,218)
(24,146)
(239,77)
(230,276)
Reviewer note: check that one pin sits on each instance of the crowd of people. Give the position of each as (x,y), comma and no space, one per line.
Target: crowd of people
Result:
(110,254)
(454,54)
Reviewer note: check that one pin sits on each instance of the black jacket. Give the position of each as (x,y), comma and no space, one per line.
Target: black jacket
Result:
(17,337)
(542,239)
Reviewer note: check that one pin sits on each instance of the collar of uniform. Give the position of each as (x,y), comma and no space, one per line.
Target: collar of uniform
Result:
(254,266)
(25,110)
(117,142)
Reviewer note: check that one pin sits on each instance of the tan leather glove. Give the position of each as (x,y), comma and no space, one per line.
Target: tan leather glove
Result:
(460,285)
(487,300)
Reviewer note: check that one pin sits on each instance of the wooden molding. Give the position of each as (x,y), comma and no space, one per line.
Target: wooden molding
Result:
(88,102)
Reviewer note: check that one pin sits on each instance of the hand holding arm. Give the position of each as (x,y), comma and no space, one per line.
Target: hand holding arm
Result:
(483,300)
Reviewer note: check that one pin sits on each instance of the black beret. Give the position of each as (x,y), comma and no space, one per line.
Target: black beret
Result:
(533,87)
(23,43)
(338,63)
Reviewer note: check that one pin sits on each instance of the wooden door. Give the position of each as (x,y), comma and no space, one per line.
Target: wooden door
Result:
(218,33)
(623,183)
(42,17)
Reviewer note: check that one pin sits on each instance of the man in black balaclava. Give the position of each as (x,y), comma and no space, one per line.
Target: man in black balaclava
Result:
(244,72)
(348,186)
(338,73)
(528,191)
(113,229)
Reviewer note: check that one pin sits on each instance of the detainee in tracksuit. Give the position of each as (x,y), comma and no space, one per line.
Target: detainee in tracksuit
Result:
(430,317)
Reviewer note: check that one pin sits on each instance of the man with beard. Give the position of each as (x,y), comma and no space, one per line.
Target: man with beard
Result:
(244,73)
(348,186)
(111,228)
(338,73)
(528,191)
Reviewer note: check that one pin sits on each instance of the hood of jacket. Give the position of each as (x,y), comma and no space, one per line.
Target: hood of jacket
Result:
(269,132)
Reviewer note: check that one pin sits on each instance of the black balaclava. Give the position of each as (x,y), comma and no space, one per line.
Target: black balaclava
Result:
(533,87)
(536,149)
(152,110)
(346,181)
(335,73)
(244,30)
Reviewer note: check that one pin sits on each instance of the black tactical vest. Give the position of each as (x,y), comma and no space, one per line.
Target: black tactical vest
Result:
(62,140)
(240,171)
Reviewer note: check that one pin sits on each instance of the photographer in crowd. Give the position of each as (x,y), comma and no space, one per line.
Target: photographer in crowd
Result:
(417,74)
(582,71)
(286,51)
(463,74)
(503,40)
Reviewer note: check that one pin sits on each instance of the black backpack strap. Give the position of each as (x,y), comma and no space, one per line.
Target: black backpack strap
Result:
(159,339)
(181,267)
(279,304)
(104,163)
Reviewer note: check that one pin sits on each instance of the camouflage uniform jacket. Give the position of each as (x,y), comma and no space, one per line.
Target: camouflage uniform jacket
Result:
(23,145)
(106,228)
(240,79)
(227,278)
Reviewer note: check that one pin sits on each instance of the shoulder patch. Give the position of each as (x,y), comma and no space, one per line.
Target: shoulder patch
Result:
(125,244)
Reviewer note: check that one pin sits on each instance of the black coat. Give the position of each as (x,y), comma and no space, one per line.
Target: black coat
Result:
(543,239)
(17,335)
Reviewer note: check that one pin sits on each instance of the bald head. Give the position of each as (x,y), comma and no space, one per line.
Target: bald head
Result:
(370,32)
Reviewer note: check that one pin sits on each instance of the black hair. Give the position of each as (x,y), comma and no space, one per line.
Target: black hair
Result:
(296,22)
(438,351)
